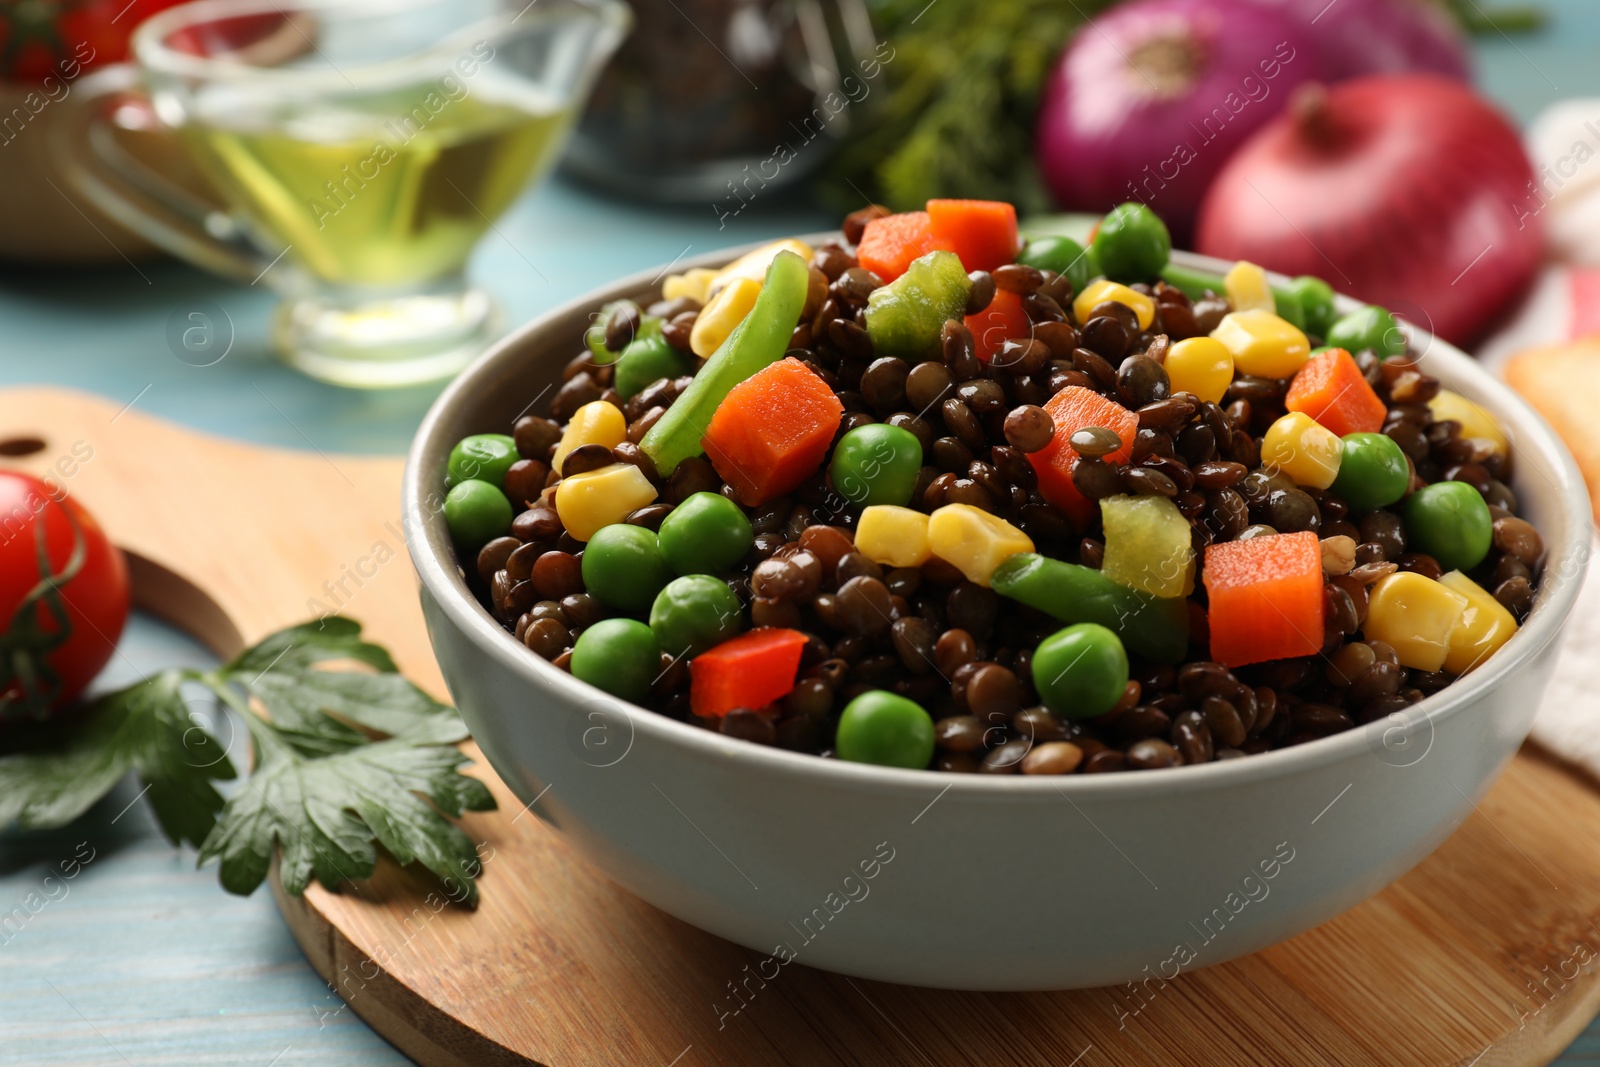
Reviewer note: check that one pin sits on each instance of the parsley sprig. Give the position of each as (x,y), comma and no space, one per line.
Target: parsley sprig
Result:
(345,760)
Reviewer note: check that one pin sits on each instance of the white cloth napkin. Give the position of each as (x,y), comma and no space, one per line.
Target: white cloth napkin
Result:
(1568,724)
(1564,146)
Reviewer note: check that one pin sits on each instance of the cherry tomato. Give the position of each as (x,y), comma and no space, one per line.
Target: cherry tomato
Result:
(54,636)
(63,38)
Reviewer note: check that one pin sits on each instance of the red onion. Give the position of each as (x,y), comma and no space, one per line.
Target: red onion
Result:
(1359,37)
(1404,190)
(1150,99)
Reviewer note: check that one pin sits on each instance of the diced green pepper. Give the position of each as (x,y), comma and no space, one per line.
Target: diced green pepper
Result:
(757,342)
(904,317)
(1148,545)
(1154,628)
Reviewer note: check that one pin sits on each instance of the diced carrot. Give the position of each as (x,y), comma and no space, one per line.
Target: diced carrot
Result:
(1003,320)
(982,232)
(1073,409)
(1265,598)
(1331,389)
(749,671)
(888,245)
(772,431)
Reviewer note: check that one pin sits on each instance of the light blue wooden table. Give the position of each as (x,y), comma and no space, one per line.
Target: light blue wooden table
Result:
(141,959)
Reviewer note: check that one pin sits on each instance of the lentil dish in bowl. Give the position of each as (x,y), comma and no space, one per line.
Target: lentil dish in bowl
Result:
(990,611)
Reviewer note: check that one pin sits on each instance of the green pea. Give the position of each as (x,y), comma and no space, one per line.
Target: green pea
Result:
(876,464)
(645,360)
(1286,305)
(886,729)
(1080,672)
(1369,327)
(693,613)
(1450,522)
(1062,255)
(623,567)
(1316,304)
(1132,244)
(620,656)
(476,513)
(1372,471)
(484,456)
(706,534)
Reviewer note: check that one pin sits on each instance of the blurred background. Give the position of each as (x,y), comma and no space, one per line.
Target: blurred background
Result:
(145,255)
(718,123)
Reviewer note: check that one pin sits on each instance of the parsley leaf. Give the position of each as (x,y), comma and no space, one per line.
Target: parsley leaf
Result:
(324,791)
(145,729)
(325,812)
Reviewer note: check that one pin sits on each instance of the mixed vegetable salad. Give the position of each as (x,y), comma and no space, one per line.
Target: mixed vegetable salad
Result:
(932,497)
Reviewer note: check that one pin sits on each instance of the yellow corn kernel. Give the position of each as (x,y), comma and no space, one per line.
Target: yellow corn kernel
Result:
(1101,291)
(1415,616)
(1482,630)
(725,311)
(753,264)
(1303,449)
(1202,366)
(1248,288)
(974,541)
(596,423)
(1474,420)
(694,283)
(1263,344)
(894,537)
(1149,545)
(585,502)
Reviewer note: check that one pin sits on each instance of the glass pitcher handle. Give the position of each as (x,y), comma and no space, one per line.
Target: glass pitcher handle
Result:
(84,150)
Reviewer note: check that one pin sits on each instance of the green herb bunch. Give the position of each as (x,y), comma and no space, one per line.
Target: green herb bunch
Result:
(344,760)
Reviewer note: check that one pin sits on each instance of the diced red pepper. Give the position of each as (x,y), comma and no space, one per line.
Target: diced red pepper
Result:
(1265,598)
(888,245)
(1003,320)
(772,431)
(982,232)
(749,671)
(1076,408)
(1331,389)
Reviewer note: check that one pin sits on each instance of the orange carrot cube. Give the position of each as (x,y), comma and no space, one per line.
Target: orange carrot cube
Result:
(1265,598)
(772,431)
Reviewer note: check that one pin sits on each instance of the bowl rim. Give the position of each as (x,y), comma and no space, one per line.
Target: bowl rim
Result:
(1565,568)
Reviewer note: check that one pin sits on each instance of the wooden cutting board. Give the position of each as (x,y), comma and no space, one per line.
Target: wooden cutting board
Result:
(1486,954)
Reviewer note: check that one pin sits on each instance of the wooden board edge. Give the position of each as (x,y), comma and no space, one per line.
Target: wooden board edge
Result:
(395,1011)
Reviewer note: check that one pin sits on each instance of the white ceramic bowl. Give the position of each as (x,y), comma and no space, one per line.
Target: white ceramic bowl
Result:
(966,881)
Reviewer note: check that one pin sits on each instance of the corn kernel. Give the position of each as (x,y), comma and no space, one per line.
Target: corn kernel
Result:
(1101,291)
(1474,420)
(1482,630)
(1149,545)
(585,502)
(1303,449)
(753,264)
(1263,344)
(974,541)
(1248,288)
(1415,616)
(1202,366)
(718,318)
(892,536)
(694,283)
(596,423)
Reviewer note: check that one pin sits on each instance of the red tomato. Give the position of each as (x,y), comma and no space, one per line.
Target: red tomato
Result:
(61,634)
(63,38)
